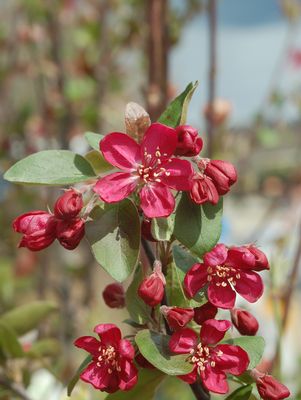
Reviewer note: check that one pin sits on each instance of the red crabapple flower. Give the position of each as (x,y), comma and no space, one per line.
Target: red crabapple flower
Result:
(225,271)
(211,361)
(112,366)
(149,168)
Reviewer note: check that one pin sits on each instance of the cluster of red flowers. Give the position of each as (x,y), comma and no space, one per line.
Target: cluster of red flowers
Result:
(41,228)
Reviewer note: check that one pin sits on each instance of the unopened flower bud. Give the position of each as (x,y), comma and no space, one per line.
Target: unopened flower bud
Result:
(114,296)
(222,173)
(177,317)
(244,322)
(261,261)
(151,289)
(189,142)
(268,387)
(204,312)
(203,190)
(146,231)
(70,233)
(143,362)
(38,228)
(68,205)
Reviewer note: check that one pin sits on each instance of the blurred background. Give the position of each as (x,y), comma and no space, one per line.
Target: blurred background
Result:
(70,66)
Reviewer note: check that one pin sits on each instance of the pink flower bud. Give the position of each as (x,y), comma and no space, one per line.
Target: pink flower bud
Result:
(70,233)
(222,173)
(146,230)
(143,362)
(151,289)
(244,322)
(113,295)
(189,142)
(68,205)
(38,228)
(177,317)
(204,312)
(270,389)
(261,261)
(203,190)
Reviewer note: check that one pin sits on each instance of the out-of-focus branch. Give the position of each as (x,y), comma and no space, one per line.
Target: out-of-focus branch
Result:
(14,388)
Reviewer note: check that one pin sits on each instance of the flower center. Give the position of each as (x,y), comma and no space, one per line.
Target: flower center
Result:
(202,355)
(108,356)
(222,275)
(152,168)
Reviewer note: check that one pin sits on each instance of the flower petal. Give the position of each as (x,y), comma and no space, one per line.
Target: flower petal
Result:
(234,359)
(100,378)
(128,375)
(214,380)
(179,174)
(213,330)
(195,279)
(88,343)
(220,296)
(126,349)
(240,257)
(191,377)
(159,137)
(156,201)
(249,286)
(109,334)
(115,187)
(121,151)
(217,256)
(182,341)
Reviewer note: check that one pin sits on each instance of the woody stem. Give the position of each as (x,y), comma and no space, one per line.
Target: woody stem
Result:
(196,387)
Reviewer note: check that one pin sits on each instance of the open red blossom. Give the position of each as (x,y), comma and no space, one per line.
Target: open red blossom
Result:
(213,180)
(112,366)
(69,204)
(38,228)
(225,271)
(211,361)
(147,167)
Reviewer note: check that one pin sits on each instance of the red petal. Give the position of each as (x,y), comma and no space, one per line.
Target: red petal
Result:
(126,349)
(100,378)
(109,334)
(222,297)
(203,190)
(128,375)
(181,173)
(88,343)
(115,187)
(22,223)
(213,330)
(214,380)
(217,256)
(182,341)
(240,257)
(121,151)
(249,286)
(191,377)
(160,137)
(156,201)
(195,279)
(233,360)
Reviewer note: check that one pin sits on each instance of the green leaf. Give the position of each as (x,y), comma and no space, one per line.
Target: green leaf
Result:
(253,345)
(242,393)
(162,228)
(114,235)
(9,342)
(174,280)
(174,388)
(154,347)
(76,376)
(27,317)
(51,167)
(176,112)
(98,163)
(138,310)
(198,227)
(44,348)
(149,380)
(93,139)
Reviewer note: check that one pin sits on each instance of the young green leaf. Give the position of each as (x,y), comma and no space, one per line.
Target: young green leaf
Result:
(76,376)
(176,112)
(51,167)
(9,343)
(138,310)
(198,227)
(162,228)
(98,163)
(93,139)
(114,235)
(28,316)
(154,347)
(148,382)
(253,345)
(242,393)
